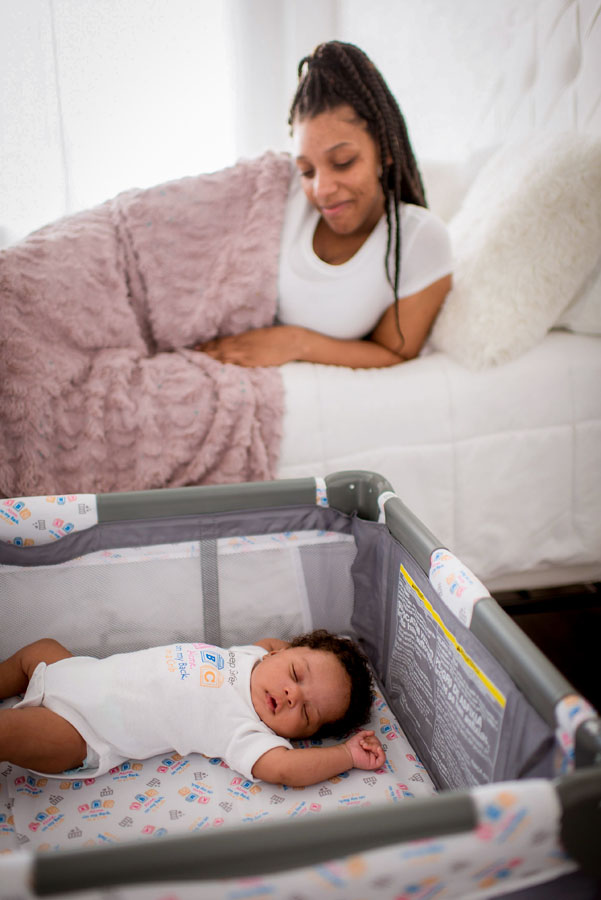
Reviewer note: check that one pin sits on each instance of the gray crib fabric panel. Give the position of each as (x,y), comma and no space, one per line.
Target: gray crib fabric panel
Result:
(463,714)
(145,532)
(373,571)
(210,592)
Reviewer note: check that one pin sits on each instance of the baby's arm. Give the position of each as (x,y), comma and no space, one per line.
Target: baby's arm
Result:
(311,765)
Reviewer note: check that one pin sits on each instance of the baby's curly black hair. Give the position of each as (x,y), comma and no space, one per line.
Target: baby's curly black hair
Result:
(356,666)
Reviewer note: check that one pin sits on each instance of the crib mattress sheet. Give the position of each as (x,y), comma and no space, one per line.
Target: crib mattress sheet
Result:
(143,800)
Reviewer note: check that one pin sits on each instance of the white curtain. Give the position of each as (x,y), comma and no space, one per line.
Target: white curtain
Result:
(271,37)
(102,95)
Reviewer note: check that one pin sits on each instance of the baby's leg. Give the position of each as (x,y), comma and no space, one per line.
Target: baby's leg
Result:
(16,671)
(37,738)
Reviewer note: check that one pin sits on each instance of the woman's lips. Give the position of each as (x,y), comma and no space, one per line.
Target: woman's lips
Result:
(334,209)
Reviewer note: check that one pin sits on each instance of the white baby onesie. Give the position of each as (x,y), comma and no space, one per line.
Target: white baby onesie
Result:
(183,697)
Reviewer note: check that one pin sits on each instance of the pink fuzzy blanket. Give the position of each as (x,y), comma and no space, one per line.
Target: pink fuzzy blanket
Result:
(100,389)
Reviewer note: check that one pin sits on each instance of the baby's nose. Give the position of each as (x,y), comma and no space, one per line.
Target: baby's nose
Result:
(291,694)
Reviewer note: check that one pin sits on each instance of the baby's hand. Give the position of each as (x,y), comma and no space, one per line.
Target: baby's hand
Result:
(366,750)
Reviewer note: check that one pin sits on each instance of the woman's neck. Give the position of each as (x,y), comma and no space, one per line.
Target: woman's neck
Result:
(334,248)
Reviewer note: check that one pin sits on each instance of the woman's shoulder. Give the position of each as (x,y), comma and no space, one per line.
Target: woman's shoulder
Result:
(422,226)
(426,249)
(416,216)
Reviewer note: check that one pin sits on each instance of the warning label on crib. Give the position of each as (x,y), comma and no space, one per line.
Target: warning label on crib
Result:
(453,704)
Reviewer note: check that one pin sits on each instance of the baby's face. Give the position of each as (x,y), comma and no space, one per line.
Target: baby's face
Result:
(297,690)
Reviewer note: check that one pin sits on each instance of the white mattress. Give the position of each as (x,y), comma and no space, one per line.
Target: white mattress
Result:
(503,466)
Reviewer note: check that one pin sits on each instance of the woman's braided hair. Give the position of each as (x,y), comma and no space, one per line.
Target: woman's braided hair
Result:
(339,74)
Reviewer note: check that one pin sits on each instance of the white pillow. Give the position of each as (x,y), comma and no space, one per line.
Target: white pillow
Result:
(447,182)
(525,239)
(584,312)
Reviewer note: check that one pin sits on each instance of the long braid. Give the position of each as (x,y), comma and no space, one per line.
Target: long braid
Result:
(336,74)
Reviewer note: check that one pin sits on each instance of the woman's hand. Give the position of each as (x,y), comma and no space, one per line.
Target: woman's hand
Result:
(272,346)
(283,343)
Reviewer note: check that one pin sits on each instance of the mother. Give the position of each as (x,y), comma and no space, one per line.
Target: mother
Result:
(364,267)
(101,387)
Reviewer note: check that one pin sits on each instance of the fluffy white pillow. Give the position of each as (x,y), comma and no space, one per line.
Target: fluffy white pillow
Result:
(584,312)
(525,240)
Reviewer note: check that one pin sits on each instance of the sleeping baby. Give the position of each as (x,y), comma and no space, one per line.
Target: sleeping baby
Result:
(243,704)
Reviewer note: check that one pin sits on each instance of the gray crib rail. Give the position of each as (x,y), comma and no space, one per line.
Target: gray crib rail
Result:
(352,491)
(263,849)
(271,848)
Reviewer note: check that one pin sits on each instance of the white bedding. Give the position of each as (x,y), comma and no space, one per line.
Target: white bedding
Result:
(503,465)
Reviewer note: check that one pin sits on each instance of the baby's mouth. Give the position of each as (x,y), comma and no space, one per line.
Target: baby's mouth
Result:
(272,703)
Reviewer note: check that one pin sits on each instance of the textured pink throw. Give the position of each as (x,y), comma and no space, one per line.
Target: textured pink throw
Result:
(99,387)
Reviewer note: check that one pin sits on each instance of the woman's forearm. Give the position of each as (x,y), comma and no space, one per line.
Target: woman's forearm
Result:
(279,344)
(311,346)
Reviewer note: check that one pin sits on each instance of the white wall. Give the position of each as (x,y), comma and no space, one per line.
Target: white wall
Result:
(442,59)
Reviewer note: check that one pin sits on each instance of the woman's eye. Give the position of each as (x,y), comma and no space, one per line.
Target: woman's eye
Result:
(306,174)
(344,165)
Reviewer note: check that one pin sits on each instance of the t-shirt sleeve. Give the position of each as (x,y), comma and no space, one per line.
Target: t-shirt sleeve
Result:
(245,748)
(426,253)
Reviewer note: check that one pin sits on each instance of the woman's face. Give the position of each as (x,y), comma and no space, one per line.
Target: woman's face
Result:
(338,161)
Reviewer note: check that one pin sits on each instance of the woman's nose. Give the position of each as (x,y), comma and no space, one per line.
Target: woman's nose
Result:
(323,186)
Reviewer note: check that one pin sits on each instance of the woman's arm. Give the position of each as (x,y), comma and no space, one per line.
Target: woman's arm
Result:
(310,765)
(416,316)
(284,343)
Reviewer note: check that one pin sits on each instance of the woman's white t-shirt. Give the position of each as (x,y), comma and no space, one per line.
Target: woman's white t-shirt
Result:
(347,301)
